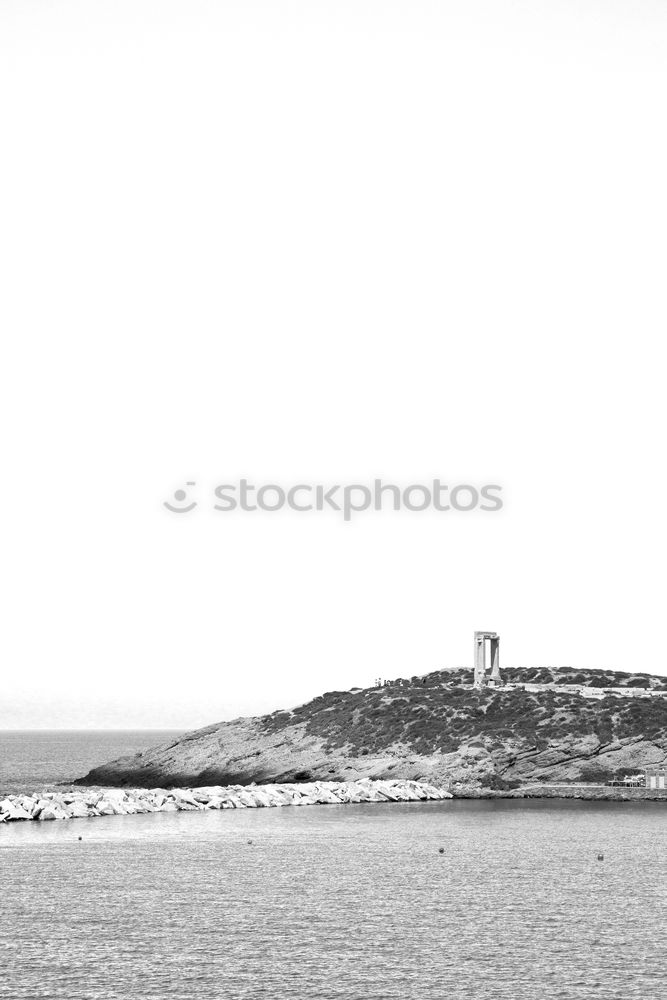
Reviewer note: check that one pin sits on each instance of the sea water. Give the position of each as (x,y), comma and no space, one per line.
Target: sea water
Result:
(341,902)
(33,760)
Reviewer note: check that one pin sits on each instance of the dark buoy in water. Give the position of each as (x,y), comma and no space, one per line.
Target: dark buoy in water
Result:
(250,841)
(441,850)
(600,857)
(80,838)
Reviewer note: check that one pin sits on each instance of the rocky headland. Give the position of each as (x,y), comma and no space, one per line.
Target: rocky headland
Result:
(546,726)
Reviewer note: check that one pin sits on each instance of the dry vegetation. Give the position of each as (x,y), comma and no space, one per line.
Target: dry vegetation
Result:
(440,711)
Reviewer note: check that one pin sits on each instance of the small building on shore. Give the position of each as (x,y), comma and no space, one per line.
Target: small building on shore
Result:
(629,781)
(656,778)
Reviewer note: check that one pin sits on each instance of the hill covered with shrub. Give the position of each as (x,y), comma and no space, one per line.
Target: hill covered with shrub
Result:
(435,727)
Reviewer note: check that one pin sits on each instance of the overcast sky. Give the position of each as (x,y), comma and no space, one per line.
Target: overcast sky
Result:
(323,243)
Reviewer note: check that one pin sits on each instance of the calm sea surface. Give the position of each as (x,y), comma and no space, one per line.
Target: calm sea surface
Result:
(340,903)
(31,760)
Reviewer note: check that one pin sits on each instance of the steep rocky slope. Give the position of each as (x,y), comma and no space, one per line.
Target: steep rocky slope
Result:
(434,727)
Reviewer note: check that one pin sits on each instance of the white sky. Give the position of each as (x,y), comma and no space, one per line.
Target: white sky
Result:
(325,242)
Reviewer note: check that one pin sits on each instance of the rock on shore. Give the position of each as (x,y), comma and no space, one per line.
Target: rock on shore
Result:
(83,803)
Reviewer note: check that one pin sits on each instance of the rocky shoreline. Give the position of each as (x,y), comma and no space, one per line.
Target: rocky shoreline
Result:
(588,793)
(84,804)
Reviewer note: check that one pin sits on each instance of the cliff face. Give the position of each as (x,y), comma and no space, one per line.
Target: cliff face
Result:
(434,728)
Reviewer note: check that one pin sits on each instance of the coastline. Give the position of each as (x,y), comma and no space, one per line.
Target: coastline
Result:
(94,802)
(589,793)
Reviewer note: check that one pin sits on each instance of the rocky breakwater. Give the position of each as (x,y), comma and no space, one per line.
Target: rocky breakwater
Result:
(82,803)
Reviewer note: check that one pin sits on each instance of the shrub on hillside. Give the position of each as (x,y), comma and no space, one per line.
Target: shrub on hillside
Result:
(496,783)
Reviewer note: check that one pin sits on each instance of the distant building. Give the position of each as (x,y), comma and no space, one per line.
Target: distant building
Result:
(656,778)
(629,781)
